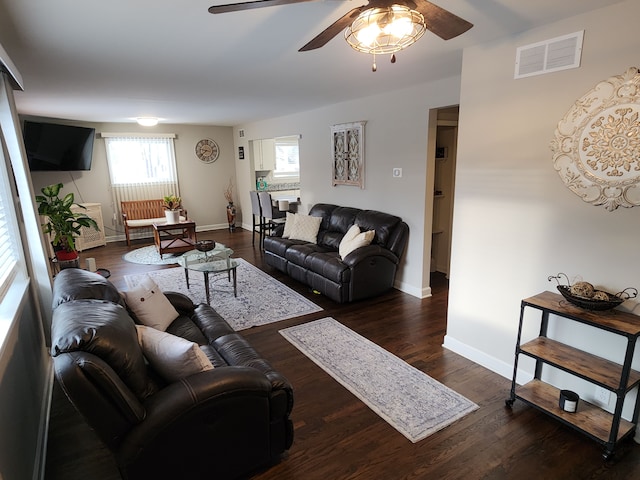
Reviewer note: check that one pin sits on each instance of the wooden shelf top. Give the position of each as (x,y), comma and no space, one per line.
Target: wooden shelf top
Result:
(613,320)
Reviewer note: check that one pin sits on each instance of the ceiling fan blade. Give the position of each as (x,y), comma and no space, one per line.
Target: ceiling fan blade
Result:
(332,30)
(236,7)
(443,23)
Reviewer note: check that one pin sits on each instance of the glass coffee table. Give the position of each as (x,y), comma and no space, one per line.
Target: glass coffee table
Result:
(214,261)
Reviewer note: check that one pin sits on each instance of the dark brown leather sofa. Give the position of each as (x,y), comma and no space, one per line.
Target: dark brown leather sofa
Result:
(222,423)
(366,272)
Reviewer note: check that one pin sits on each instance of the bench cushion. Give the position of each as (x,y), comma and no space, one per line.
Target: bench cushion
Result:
(148,222)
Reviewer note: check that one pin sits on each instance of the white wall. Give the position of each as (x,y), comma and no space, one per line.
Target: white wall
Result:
(515,223)
(395,136)
(201,185)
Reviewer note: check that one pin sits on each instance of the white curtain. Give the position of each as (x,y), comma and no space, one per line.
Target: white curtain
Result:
(141,167)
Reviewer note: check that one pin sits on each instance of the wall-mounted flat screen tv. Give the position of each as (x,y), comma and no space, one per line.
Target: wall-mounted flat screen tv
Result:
(55,147)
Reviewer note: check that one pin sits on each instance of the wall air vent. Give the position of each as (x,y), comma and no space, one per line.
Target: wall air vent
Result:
(560,53)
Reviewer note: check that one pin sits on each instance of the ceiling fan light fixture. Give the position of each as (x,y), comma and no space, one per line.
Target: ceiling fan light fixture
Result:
(385,29)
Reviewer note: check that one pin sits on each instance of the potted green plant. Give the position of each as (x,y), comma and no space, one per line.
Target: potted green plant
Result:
(172,204)
(61,221)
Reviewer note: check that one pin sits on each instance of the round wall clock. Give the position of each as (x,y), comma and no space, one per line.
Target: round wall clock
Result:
(207,150)
(596,148)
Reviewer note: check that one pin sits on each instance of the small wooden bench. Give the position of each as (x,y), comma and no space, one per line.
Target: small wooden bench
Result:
(143,214)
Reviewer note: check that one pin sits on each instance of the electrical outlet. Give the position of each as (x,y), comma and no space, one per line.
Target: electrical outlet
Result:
(602,396)
(397,172)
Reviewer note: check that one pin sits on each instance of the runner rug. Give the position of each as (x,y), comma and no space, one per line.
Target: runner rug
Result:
(409,400)
(261,298)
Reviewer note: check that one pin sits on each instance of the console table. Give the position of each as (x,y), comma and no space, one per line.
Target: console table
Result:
(606,428)
(174,237)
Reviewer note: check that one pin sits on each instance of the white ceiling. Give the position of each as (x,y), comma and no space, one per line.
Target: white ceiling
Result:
(114,60)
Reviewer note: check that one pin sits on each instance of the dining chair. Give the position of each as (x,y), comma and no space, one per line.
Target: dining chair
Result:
(258,222)
(270,219)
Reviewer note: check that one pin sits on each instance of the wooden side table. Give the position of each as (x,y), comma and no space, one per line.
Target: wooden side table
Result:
(174,237)
(617,377)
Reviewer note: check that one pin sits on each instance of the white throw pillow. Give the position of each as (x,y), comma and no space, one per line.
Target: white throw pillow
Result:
(350,241)
(306,228)
(171,356)
(150,305)
(288,224)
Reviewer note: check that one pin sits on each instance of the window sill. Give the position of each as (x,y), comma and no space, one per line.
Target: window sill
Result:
(10,308)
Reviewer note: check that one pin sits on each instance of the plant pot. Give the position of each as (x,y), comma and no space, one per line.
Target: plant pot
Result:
(64,255)
(173,216)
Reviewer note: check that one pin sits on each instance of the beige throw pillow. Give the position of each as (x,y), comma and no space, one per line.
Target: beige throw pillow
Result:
(150,305)
(305,228)
(288,224)
(171,356)
(354,239)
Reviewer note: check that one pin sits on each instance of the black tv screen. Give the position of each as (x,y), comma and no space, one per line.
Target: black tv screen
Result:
(54,147)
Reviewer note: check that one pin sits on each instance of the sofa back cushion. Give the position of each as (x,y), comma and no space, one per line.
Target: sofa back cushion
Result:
(76,284)
(337,220)
(340,220)
(105,330)
(323,210)
(383,223)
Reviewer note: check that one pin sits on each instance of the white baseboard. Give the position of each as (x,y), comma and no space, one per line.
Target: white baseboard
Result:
(481,358)
(413,291)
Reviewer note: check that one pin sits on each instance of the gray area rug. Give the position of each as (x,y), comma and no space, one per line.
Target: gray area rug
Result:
(149,256)
(261,298)
(409,400)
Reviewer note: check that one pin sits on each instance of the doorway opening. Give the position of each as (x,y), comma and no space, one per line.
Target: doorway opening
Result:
(442,181)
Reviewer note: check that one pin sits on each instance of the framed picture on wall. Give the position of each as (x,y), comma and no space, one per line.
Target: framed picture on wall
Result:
(347,150)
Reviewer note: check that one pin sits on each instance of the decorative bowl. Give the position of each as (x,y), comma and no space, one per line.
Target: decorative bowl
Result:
(588,303)
(205,245)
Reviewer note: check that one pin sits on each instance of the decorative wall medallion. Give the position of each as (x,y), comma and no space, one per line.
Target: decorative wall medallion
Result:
(207,150)
(347,147)
(596,149)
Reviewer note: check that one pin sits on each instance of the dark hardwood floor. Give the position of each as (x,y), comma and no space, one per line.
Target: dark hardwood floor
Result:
(337,436)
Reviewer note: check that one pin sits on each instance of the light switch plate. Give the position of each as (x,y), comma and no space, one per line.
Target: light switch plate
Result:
(397,172)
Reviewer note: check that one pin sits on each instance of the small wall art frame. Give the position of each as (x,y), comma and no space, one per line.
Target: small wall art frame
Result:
(596,147)
(347,150)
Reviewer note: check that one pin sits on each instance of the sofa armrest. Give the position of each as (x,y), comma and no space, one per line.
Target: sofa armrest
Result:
(100,396)
(278,231)
(183,304)
(199,417)
(364,253)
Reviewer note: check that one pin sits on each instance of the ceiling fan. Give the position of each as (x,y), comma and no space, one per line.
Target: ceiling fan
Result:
(443,23)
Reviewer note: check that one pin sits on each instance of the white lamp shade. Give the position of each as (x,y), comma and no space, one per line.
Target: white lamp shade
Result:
(283,205)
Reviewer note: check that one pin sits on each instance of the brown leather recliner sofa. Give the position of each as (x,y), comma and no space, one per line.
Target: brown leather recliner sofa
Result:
(221,423)
(365,272)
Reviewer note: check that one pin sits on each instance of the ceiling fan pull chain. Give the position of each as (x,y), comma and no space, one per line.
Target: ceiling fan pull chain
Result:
(393,58)
(374,67)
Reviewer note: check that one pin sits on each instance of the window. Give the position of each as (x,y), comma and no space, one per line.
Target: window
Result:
(141,166)
(8,235)
(287,158)
(134,159)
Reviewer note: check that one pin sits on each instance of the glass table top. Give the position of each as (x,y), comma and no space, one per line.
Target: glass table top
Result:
(216,260)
